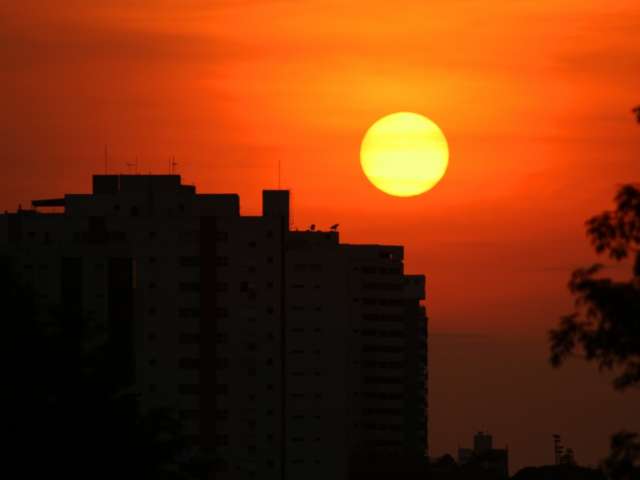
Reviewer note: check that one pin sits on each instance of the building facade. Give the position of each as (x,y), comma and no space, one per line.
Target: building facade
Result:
(285,353)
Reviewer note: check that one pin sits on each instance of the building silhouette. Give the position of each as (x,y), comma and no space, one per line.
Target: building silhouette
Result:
(484,456)
(285,354)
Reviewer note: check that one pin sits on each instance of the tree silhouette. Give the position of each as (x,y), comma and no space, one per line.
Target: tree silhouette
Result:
(605,324)
(624,456)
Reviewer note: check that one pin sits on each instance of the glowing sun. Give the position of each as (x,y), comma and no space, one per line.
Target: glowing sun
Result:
(404,154)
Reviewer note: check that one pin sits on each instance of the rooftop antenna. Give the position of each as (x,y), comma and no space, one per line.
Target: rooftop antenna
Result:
(557,448)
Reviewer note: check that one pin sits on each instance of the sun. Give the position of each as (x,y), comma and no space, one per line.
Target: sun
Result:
(404,154)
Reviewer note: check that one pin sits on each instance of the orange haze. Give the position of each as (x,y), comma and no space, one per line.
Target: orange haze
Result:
(534,98)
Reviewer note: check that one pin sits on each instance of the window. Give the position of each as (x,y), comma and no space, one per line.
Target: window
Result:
(189,389)
(382,349)
(222,414)
(188,312)
(189,261)
(189,414)
(379,380)
(189,338)
(187,363)
(189,287)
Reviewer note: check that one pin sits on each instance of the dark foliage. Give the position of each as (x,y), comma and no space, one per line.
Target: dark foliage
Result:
(606,323)
(624,457)
(68,414)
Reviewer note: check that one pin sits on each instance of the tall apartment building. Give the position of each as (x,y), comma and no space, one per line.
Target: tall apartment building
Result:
(287,354)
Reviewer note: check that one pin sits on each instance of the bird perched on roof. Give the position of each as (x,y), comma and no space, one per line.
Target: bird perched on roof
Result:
(335,226)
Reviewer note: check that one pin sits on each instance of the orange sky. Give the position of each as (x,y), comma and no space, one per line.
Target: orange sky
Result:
(534,97)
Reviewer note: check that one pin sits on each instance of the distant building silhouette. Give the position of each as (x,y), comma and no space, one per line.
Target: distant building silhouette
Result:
(484,455)
(286,354)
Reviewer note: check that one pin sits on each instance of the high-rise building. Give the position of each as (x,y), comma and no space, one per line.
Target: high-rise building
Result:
(286,353)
